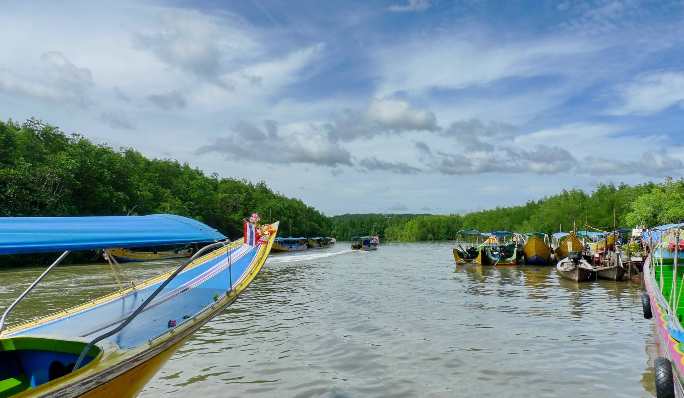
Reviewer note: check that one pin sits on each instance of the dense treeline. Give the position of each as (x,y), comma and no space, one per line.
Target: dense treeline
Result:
(644,205)
(348,225)
(44,172)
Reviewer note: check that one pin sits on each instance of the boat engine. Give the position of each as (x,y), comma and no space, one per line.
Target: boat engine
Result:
(575,256)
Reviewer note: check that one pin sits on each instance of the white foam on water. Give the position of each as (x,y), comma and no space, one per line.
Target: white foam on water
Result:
(295,257)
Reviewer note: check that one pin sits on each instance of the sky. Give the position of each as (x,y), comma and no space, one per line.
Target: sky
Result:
(398,106)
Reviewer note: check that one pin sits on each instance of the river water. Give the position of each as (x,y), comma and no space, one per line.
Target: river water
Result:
(403,321)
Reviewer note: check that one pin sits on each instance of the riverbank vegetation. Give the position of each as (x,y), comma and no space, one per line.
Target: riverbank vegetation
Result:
(647,205)
(45,172)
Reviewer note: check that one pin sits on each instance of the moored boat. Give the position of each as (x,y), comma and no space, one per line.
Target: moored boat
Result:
(113,345)
(125,255)
(536,250)
(289,244)
(471,253)
(575,267)
(568,242)
(497,250)
(663,303)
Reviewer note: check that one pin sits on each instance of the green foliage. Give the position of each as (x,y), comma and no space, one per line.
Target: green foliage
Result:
(648,204)
(44,172)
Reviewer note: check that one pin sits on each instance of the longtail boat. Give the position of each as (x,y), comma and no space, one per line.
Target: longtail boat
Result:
(289,244)
(663,303)
(471,254)
(318,243)
(496,250)
(125,255)
(365,243)
(536,250)
(113,345)
(575,267)
(569,242)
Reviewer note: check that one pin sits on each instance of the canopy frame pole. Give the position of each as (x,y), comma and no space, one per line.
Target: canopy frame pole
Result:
(144,304)
(674,305)
(28,290)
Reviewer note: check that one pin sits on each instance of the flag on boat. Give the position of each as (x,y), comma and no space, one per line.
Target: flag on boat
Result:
(250,234)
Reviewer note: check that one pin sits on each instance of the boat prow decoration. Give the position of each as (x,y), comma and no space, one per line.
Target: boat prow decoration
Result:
(115,343)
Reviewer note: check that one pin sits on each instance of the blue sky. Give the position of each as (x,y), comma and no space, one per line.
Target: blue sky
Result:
(369,106)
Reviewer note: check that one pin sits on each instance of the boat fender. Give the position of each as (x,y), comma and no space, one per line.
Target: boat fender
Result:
(663,378)
(646,304)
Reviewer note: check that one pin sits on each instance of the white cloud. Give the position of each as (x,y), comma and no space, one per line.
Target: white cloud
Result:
(396,114)
(457,61)
(650,93)
(652,163)
(413,5)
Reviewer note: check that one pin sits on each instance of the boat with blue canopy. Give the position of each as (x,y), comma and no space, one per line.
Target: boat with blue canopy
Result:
(289,244)
(365,243)
(113,345)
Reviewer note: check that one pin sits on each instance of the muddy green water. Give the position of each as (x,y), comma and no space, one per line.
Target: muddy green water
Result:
(399,322)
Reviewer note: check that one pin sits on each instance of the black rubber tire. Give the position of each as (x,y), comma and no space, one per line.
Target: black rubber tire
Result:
(646,304)
(663,378)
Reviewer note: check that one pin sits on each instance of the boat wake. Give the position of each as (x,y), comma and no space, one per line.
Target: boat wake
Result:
(295,257)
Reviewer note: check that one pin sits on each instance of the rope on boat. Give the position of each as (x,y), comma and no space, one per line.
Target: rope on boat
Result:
(116,268)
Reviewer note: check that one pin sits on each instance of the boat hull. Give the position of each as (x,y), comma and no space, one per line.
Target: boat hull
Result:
(488,258)
(288,248)
(614,273)
(667,346)
(130,256)
(576,275)
(570,244)
(462,260)
(536,252)
(575,271)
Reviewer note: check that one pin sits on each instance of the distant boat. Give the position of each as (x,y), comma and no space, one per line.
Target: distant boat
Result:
(536,250)
(125,255)
(574,267)
(569,242)
(113,345)
(471,254)
(289,244)
(318,243)
(366,243)
(497,250)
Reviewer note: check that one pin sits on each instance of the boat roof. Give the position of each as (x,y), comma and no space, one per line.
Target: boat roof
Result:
(590,233)
(51,234)
(469,232)
(668,226)
(501,233)
(559,235)
(535,234)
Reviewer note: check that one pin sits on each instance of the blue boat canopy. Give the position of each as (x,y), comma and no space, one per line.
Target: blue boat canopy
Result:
(559,235)
(501,233)
(51,234)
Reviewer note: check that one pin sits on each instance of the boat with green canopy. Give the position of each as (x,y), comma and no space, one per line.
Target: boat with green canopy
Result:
(662,302)
(113,345)
(500,248)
